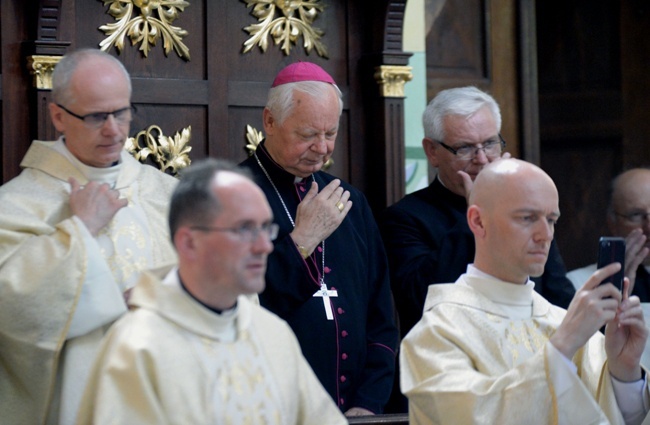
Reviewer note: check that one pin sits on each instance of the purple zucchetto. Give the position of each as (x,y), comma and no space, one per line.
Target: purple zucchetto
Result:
(302,71)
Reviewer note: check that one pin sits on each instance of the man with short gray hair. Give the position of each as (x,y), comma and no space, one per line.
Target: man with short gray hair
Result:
(426,234)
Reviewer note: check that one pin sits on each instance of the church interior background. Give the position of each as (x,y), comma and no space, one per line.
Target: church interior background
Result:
(569,77)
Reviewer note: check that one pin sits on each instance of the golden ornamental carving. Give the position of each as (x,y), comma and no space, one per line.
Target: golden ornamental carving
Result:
(145,28)
(41,67)
(254,137)
(391,79)
(171,154)
(287,28)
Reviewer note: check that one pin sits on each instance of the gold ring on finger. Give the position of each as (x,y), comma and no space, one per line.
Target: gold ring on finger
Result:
(340,206)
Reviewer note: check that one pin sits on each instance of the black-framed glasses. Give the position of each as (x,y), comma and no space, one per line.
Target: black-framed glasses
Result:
(635,217)
(246,232)
(97,119)
(491,148)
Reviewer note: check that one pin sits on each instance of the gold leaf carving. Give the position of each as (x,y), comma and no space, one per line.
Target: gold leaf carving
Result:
(391,79)
(42,67)
(254,137)
(145,28)
(287,28)
(170,154)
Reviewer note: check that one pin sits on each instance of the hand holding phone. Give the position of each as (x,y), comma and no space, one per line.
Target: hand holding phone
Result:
(612,250)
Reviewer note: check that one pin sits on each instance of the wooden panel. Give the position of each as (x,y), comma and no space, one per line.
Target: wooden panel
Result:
(17,132)
(474,43)
(635,57)
(221,89)
(529,96)
(580,106)
(457,42)
(582,170)
(579,115)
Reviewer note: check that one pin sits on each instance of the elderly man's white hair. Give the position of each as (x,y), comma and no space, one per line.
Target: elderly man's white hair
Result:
(463,101)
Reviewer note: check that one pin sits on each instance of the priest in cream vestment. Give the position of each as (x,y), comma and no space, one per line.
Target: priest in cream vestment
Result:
(490,350)
(193,349)
(76,228)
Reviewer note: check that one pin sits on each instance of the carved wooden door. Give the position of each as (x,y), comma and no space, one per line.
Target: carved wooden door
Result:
(192,67)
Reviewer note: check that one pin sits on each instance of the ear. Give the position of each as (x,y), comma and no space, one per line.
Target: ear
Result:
(56,115)
(269,122)
(431,151)
(185,243)
(475,221)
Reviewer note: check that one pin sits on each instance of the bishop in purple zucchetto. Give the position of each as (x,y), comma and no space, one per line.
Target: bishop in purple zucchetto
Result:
(302,71)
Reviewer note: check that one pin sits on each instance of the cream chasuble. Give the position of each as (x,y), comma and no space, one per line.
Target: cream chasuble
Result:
(170,360)
(60,287)
(480,355)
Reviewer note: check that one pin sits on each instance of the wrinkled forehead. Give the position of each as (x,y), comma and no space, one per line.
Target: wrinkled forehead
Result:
(633,192)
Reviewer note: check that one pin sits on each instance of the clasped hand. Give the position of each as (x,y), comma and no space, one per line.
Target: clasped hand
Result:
(319,215)
(95,204)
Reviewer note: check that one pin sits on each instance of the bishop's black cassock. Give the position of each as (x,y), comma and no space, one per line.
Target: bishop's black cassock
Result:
(353,355)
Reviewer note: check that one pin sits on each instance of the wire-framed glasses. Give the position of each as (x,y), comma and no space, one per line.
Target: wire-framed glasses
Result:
(97,119)
(635,217)
(246,232)
(491,148)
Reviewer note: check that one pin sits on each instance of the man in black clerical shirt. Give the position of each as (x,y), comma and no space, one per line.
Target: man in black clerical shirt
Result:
(426,234)
(327,276)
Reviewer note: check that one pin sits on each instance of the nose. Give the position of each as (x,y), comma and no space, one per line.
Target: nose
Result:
(320,145)
(262,244)
(545,231)
(645,225)
(480,157)
(110,126)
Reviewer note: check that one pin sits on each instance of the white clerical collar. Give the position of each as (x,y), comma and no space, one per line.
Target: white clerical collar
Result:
(499,291)
(102,175)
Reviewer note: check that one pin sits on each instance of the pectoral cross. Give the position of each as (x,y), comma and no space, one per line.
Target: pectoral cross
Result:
(326,294)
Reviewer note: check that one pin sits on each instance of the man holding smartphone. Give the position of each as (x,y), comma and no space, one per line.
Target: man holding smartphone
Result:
(488,345)
(628,216)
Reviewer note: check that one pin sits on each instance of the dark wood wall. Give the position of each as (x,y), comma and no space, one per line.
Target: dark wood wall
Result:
(475,43)
(589,60)
(221,89)
(594,96)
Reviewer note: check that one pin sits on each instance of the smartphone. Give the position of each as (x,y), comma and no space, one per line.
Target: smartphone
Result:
(612,250)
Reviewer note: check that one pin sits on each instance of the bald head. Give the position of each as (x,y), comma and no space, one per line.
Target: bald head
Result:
(628,186)
(87,64)
(629,204)
(512,213)
(500,178)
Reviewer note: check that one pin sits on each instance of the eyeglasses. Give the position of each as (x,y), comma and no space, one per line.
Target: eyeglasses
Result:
(635,217)
(491,148)
(97,119)
(246,232)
